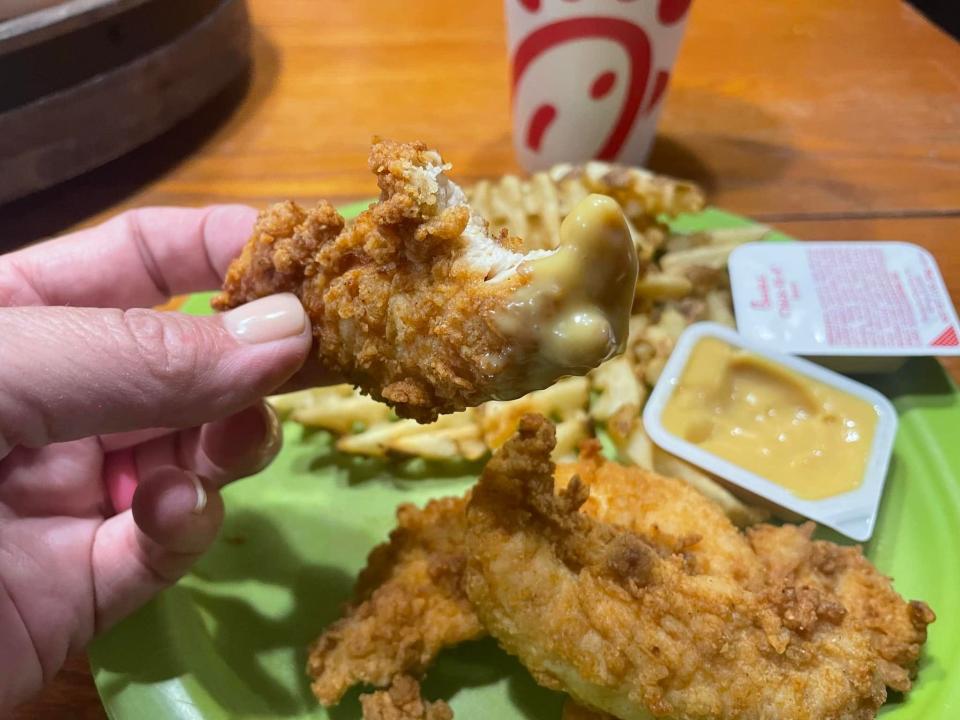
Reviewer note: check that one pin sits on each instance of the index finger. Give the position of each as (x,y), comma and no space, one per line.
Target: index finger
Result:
(140,258)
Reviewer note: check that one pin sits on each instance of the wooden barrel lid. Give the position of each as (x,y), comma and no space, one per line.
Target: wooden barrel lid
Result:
(84,81)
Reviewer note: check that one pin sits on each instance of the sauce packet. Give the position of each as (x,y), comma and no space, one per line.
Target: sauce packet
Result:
(851,306)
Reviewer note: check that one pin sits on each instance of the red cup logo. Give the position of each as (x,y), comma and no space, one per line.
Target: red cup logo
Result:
(627,81)
(670,11)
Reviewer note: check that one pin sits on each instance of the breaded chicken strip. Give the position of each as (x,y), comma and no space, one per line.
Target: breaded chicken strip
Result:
(420,306)
(408,605)
(410,601)
(402,701)
(897,630)
(675,518)
(629,626)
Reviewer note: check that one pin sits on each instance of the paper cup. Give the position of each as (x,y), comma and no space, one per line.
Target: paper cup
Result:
(589,76)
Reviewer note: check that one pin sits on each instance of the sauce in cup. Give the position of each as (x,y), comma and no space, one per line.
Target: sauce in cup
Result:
(809,437)
(803,437)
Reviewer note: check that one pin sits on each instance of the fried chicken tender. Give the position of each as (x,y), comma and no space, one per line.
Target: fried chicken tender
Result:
(897,630)
(416,303)
(660,509)
(402,701)
(410,601)
(408,605)
(629,623)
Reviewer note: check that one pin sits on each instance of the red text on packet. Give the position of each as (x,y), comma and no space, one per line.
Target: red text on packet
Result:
(763,289)
(782,291)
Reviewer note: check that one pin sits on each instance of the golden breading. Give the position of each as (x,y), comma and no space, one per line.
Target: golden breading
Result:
(402,701)
(407,301)
(659,509)
(897,630)
(627,622)
(408,605)
(410,602)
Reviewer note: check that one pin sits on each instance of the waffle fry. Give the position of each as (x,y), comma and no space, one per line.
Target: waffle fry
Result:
(402,436)
(662,286)
(708,256)
(533,208)
(564,401)
(724,237)
(285,405)
(631,440)
(719,305)
(739,512)
(570,433)
(639,191)
(616,386)
(451,443)
(685,281)
(342,413)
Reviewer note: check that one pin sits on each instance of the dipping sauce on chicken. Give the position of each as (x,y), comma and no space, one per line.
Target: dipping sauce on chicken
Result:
(802,434)
(573,312)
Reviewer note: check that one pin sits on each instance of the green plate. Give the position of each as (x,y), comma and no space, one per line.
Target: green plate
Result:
(229,640)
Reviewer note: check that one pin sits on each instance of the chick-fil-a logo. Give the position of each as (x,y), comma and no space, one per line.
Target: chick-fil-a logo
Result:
(631,81)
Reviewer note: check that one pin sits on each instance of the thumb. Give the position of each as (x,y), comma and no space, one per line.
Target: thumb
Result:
(67,373)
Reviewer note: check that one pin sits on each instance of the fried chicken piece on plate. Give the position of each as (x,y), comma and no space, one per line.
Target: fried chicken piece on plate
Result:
(416,303)
(629,626)
(661,509)
(402,701)
(381,638)
(410,601)
(897,630)
(408,605)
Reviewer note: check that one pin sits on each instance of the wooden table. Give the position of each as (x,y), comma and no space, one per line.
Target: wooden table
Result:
(829,119)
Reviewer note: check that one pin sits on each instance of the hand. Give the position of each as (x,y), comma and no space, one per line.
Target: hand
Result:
(118,425)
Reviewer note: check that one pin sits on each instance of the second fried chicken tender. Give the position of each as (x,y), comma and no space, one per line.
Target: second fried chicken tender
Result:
(408,605)
(419,305)
(410,602)
(568,564)
(402,701)
(636,624)
(897,630)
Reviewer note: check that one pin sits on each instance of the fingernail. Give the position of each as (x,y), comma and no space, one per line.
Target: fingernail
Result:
(273,438)
(201,504)
(265,320)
